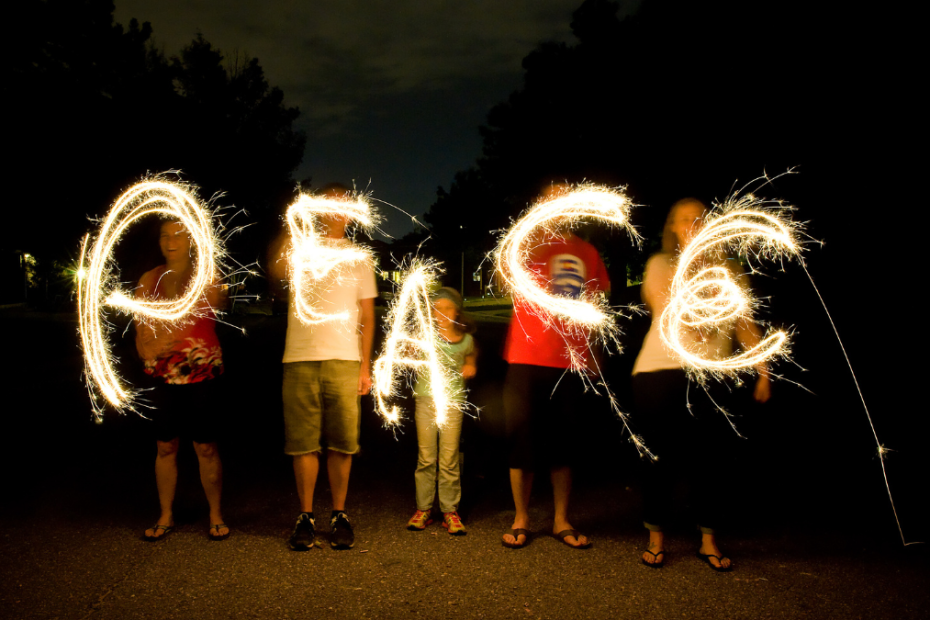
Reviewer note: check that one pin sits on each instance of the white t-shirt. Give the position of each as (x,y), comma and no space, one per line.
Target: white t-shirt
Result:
(657,284)
(335,339)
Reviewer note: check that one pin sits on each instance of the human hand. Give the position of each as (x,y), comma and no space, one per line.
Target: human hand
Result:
(468,371)
(364,380)
(763,390)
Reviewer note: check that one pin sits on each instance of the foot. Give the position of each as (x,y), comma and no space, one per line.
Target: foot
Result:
(518,536)
(342,536)
(453,523)
(219,531)
(654,555)
(163,527)
(570,536)
(419,521)
(711,554)
(302,538)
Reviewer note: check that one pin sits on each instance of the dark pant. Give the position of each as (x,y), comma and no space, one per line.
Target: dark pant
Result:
(544,408)
(693,444)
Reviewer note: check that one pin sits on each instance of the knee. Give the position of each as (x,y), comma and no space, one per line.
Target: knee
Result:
(167,449)
(206,451)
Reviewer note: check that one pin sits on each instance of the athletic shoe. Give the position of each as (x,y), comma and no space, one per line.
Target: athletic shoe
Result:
(342,536)
(304,533)
(453,523)
(419,520)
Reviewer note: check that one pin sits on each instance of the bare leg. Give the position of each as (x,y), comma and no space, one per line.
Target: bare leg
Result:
(306,468)
(338,465)
(521,484)
(561,491)
(211,476)
(166,479)
(709,547)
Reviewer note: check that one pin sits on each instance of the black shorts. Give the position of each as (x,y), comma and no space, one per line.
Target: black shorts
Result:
(192,411)
(540,421)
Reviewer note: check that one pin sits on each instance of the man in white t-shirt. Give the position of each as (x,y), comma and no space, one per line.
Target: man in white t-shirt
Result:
(327,368)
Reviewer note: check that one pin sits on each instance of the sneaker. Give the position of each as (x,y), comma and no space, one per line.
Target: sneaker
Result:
(304,533)
(342,536)
(453,523)
(419,520)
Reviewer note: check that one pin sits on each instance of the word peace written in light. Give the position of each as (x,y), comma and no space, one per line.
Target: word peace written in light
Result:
(97,284)
(705,295)
(314,257)
(413,342)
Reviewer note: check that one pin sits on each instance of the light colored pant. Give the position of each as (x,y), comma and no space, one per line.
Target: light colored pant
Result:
(442,447)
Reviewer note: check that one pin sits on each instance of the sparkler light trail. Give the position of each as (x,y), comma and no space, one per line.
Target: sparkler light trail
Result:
(313,256)
(97,284)
(545,220)
(705,295)
(413,341)
(589,316)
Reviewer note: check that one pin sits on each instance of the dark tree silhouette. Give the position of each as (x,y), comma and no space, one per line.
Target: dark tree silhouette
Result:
(93,107)
(680,99)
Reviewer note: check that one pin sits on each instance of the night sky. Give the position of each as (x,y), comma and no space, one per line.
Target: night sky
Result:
(391,94)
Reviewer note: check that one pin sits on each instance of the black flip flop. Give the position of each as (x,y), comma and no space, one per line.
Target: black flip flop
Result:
(561,536)
(657,563)
(720,558)
(516,534)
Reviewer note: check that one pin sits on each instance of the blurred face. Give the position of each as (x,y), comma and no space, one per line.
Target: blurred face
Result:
(334,225)
(445,313)
(554,191)
(174,242)
(687,221)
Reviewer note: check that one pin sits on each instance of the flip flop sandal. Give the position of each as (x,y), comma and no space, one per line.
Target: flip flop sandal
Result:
(217,527)
(720,558)
(566,533)
(656,563)
(516,534)
(167,529)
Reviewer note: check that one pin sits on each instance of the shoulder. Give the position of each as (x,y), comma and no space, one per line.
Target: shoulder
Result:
(150,278)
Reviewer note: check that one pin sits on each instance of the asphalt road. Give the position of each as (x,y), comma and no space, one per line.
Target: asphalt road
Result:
(811,532)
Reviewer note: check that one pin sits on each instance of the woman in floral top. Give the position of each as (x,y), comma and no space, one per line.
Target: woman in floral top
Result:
(184,359)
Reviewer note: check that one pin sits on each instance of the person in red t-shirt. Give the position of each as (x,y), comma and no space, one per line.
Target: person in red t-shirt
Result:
(184,360)
(541,393)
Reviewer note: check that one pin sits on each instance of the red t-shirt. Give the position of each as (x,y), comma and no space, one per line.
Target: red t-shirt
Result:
(567,267)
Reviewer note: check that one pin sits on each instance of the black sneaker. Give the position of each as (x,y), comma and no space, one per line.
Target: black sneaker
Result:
(342,537)
(304,533)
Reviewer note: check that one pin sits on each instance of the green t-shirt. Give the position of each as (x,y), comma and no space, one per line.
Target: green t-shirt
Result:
(453,356)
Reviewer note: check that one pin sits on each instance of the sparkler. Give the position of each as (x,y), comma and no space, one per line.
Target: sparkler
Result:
(544,221)
(96,277)
(314,255)
(706,297)
(413,342)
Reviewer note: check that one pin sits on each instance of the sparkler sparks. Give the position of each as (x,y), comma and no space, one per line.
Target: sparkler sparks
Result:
(705,296)
(313,256)
(96,277)
(413,342)
(545,220)
(588,316)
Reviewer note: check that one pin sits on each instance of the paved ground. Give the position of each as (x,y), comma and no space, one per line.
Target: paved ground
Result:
(812,534)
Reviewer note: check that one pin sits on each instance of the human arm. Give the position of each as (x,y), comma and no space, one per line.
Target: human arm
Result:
(470,365)
(367,326)
(748,336)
